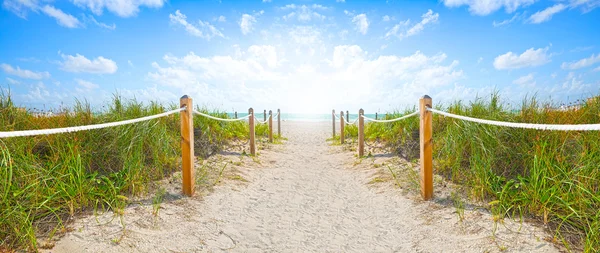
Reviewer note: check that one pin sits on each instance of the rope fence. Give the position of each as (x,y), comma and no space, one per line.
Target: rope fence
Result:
(426,136)
(84,128)
(187,134)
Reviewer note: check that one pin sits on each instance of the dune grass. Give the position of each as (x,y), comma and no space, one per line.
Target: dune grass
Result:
(552,176)
(45,180)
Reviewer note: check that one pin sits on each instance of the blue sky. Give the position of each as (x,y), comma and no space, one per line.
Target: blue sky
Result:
(300,56)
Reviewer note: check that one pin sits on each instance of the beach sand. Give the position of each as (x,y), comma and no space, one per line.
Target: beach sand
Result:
(302,196)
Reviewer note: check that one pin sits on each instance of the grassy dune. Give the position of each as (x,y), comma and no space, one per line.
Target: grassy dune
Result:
(552,176)
(44,180)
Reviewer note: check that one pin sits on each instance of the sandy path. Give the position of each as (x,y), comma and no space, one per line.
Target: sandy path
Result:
(303,200)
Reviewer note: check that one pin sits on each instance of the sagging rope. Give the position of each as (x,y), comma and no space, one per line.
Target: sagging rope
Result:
(263,122)
(582,127)
(390,120)
(82,128)
(221,119)
(347,122)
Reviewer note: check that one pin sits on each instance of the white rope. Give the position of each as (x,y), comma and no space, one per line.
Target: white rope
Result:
(82,128)
(353,122)
(390,120)
(582,127)
(276,115)
(262,122)
(221,119)
(338,118)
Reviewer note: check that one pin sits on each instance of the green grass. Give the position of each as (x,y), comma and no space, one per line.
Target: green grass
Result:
(46,179)
(553,176)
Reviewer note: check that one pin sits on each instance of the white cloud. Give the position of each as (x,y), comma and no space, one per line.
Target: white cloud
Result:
(485,7)
(546,14)
(122,8)
(586,62)
(304,12)
(361,22)
(479,60)
(386,18)
(205,29)
(23,73)
(258,77)
(266,1)
(62,18)
(247,22)
(530,58)
(400,30)
(340,1)
(12,81)
(91,19)
(527,80)
(222,19)
(508,21)
(80,63)
(86,84)
(130,63)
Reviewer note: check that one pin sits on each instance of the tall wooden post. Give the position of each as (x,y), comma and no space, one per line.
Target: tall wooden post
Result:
(333,120)
(361,133)
(251,123)
(376,116)
(342,122)
(235,115)
(265,115)
(187,145)
(270,126)
(347,116)
(278,122)
(426,148)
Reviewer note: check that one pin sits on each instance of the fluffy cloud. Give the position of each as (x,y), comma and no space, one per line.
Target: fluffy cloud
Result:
(122,8)
(247,22)
(586,62)
(361,22)
(259,76)
(222,19)
(546,14)
(527,80)
(386,18)
(86,84)
(62,18)
(23,73)
(80,63)
(205,29)
(482,8)
(304,13)
(12,81)
(401,30)
(530,58)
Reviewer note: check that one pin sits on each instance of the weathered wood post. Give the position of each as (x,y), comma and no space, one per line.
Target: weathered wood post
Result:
(187,145)
(376,116)
(278,122)
(235,115)
(426,147)
(342,122)
(270,126)
(265,115)
(347,116)
(333,119)
(251,123)
(361,133)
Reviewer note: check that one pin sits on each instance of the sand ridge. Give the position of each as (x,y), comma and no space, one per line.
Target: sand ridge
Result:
(302,198)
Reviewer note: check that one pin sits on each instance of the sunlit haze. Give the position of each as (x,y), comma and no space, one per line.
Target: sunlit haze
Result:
(299,56)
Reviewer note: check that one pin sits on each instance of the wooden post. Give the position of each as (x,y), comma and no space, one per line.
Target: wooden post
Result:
(333,119)
(278,122)
(187,145)
(251,123)
(270,126)
(347,116)
(376,116)
(235,115)
(426,148)
(361,133)
(265,115)
(342,122)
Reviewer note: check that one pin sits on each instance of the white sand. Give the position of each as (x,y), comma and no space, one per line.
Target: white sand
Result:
(303,197)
